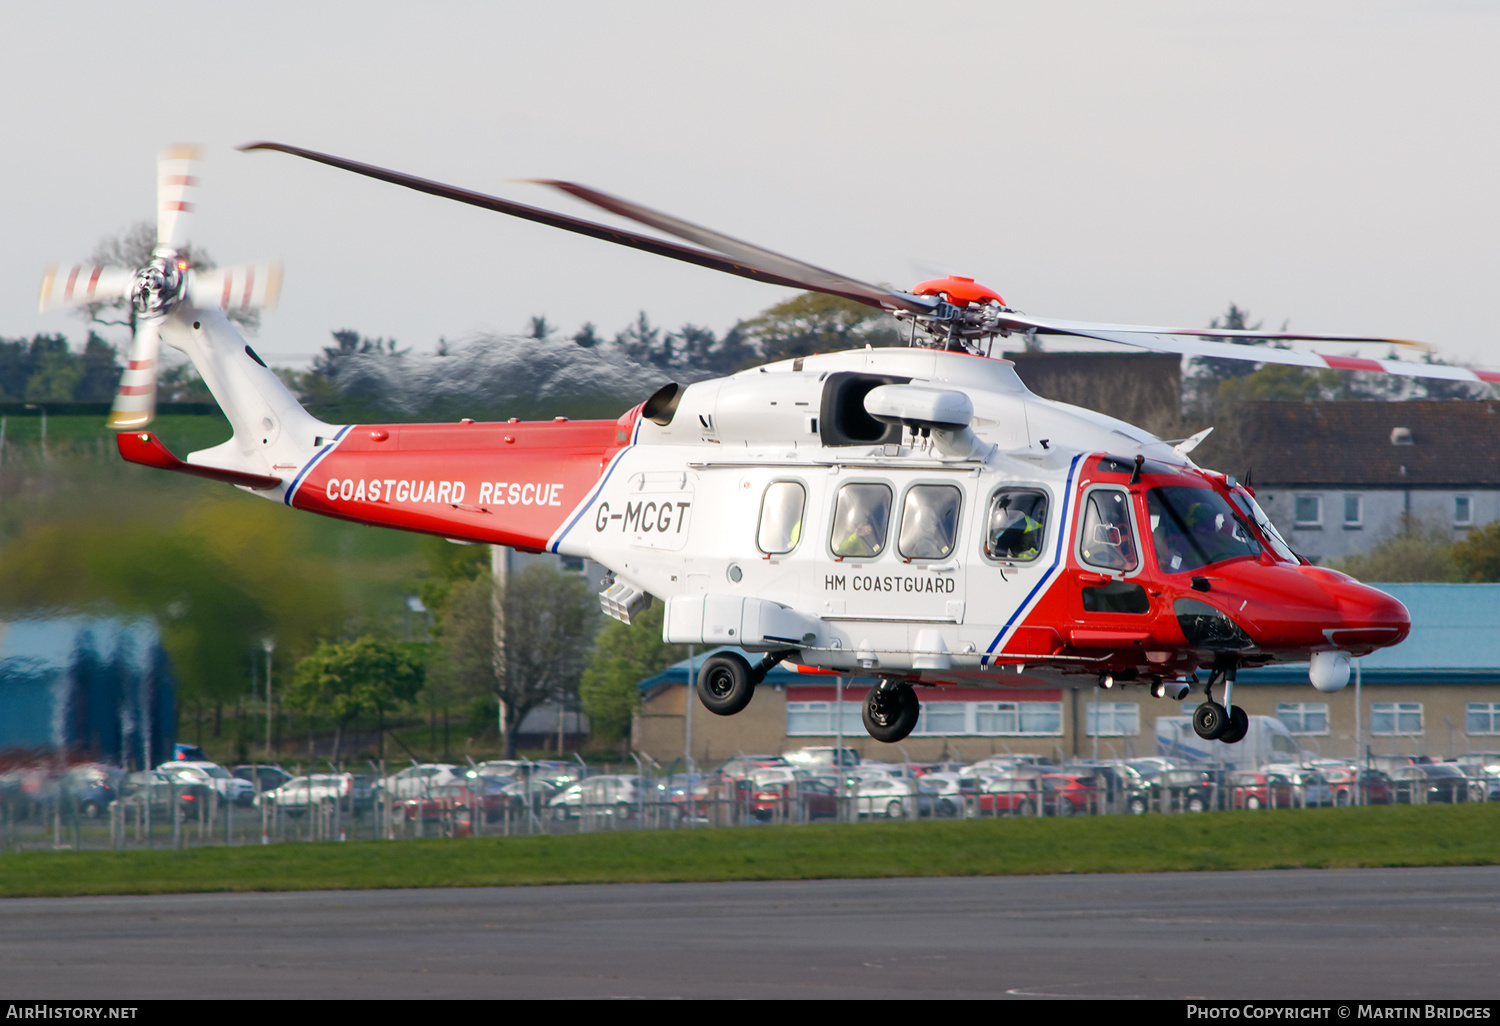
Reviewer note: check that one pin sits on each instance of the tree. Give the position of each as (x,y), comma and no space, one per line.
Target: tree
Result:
(1415,553)
(623,656)
(549,621)
(1477,557)
(814,322)
(342,680)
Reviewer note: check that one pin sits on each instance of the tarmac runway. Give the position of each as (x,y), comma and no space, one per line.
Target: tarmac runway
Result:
(1341,934)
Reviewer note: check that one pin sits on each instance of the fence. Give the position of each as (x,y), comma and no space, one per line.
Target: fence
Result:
(191,815)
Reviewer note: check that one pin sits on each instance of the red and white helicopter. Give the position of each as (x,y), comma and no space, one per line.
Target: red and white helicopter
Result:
(913,514)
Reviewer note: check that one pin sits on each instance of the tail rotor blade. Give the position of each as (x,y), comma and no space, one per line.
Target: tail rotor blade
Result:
(135,401)
(176,185)
(80,284)
(242,287)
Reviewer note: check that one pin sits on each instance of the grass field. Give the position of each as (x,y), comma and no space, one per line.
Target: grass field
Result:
(1312,838)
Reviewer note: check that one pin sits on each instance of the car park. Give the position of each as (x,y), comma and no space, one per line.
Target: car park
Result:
(940,796)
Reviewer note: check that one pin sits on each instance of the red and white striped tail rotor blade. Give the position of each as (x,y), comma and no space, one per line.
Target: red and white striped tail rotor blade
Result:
(135,401)
(79,284)
(176,187)
(242,287)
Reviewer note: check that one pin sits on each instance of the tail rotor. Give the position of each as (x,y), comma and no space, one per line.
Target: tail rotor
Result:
(157,289)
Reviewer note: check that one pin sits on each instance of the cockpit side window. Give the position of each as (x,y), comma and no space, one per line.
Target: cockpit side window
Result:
(860,520)
(1016,525)
(1107,540)
(929,522)
(781,517)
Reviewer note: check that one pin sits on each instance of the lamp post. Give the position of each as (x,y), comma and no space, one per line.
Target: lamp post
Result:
(269,644)
(43,411)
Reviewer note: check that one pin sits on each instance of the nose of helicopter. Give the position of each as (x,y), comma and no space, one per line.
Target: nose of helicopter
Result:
(1368,618)
(1308,609)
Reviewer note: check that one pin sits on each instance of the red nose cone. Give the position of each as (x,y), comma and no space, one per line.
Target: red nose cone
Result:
(1367,618)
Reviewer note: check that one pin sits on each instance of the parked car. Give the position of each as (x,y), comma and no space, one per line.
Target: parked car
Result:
(300,794)
(162,790)
(262,778)
(892,797)
(421,778)
(606,795)
(1375,788)
(1002,796)
(1192,790)
(230,788)
(1261,791)
(1428,783)
(940,796)
(92,787)
(1069,794)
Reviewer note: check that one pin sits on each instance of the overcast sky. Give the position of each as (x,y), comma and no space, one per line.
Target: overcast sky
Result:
(1333,165)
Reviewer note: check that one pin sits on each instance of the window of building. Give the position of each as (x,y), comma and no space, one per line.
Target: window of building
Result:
(1482,718)
(1303,717)
(948,719)
(860,519)
(929,522)
(1395,718)
(1352,511)
(1463,512)
(781,517)
(1307,511)
(1112,719)
(1016,524)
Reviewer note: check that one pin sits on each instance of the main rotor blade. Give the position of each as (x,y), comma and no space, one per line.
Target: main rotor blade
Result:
(176,184)
(620,237)
(135,401)
(1200,342)
(811,277)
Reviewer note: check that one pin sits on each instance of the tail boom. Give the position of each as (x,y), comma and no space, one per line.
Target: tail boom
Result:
(512,484)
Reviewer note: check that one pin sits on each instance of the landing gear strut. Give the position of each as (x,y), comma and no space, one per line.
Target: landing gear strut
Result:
(1214,722)
(891,711)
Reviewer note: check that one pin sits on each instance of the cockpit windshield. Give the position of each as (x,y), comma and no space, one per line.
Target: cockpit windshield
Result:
(1195,527)
(1257,516)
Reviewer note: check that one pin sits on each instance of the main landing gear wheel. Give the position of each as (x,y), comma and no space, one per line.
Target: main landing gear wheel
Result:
(891,712)
(724,684)
(1237,727)
(1210,720)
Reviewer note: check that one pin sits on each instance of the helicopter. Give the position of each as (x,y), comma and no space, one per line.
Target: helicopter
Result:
(913,514)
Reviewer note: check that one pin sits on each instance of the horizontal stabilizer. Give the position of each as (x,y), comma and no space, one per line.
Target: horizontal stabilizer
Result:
(145,448)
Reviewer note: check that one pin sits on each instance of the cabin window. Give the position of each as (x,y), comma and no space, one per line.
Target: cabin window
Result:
(1016,524)
(860,519)
(1194,527)
(929,522)
(781,517)
(1107,540)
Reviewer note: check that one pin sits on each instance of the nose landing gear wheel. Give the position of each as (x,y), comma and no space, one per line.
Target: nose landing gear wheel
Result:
(1237,727)
(1210,720)
(724,684)
(891,711)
